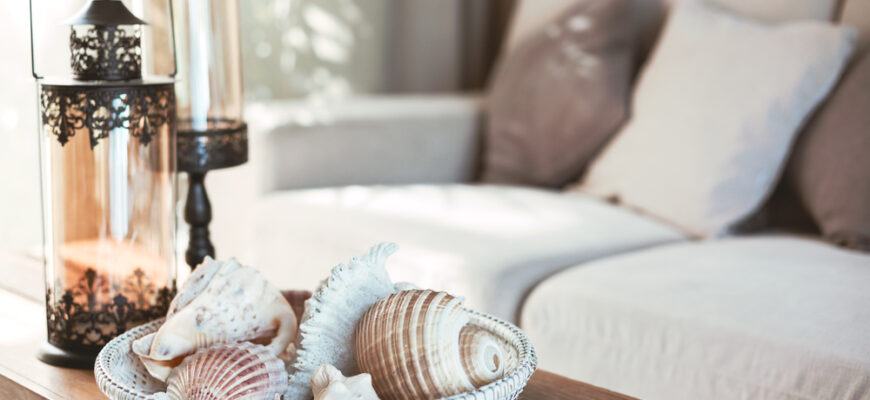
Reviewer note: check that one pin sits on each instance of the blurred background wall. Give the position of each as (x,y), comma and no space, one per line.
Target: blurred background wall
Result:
(334,47)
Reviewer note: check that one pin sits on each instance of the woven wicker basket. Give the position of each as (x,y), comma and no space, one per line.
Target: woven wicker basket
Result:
(121,376)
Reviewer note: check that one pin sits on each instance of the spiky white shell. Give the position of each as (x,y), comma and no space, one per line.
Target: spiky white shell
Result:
(228,372)
(328,383)
(331,314)
(410,343)
(222,302)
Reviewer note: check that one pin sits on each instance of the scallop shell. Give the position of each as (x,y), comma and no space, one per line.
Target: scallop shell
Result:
(222,302)
(410,342)
(328,383)
(229,372)
(331,315)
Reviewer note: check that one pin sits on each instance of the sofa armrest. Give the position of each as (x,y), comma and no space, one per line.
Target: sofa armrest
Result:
(368,140)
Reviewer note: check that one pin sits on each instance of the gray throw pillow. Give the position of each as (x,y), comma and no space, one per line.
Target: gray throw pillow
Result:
(829,170)
(559,95)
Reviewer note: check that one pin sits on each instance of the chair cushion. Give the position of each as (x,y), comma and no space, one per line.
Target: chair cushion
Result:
(759,317)
(490,244)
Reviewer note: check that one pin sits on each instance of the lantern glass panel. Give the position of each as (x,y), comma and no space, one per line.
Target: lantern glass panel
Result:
(209,61)
(110,224)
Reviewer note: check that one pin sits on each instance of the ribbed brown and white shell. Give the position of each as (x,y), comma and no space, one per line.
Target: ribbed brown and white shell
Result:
(229,372)
(222,302)
(416,344)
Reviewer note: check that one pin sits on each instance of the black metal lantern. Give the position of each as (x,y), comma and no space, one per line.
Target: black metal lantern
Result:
(107,148)
(211,133)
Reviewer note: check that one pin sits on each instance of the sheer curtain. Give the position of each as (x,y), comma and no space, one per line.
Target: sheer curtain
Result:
(446,45)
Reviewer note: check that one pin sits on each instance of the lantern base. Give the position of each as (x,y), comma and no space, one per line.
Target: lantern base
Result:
(58,357)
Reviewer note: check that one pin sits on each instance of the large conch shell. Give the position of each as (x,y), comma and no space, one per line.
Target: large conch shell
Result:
(228,372)
(222,302)
(328,383)
(416,344)
(331,315)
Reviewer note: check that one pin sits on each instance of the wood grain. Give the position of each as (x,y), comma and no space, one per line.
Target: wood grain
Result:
(9,389)
(547,385)
(24,377)
(21,332)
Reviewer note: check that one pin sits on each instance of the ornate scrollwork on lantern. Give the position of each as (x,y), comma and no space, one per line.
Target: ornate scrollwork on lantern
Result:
(79,320)
(106,53)
(224,144)
(97,111)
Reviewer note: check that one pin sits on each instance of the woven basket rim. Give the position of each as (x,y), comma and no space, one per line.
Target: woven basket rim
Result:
(510,385)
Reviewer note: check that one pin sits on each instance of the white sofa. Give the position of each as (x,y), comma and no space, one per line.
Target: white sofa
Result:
(762,317)
(638,307)
(489,244)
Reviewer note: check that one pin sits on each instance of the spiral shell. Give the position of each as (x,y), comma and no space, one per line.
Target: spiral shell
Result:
(229,372)
(410,342)
(222,302)
(483,355)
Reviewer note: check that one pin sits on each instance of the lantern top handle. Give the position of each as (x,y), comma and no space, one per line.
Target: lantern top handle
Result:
(105,13)
(32,45)
(93,17)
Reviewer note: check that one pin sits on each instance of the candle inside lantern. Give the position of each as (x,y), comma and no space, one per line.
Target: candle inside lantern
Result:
(122,265)
(107,287)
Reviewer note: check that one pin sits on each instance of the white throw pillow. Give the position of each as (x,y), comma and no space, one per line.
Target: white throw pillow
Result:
(714,116)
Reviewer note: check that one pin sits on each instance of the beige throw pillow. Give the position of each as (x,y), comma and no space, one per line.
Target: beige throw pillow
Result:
(830,168)
(559,95)
(714,116)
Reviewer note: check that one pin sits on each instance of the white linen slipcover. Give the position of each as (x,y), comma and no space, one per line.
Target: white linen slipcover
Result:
(489,244)
(401,139)
(753,318)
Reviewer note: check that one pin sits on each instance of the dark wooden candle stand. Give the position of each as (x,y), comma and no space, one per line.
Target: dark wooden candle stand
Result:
(226,145)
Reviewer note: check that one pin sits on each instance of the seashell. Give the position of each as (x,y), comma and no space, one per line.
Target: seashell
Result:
(328,383)
(227,372)
(331,315)
(482,354)
(222,302)
(415,344)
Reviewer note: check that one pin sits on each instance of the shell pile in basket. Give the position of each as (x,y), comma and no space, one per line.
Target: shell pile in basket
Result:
(229,334)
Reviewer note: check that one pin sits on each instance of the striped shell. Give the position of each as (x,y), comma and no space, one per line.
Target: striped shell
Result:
(229,372)
(416,344)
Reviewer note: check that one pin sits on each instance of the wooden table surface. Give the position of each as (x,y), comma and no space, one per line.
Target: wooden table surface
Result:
(22,329)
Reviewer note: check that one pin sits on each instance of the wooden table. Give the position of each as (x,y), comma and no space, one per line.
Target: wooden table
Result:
(22,329)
